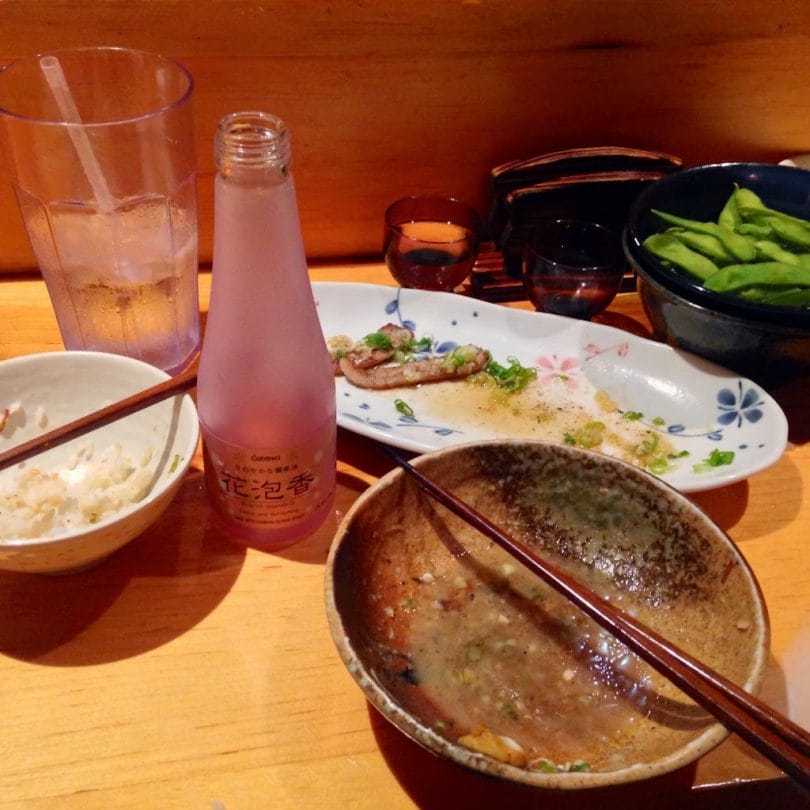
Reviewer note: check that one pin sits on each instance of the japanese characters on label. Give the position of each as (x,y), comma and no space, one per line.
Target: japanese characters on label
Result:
(271,488)
(266,483)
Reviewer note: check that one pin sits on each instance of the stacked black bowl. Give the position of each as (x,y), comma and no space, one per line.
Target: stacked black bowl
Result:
(591,184)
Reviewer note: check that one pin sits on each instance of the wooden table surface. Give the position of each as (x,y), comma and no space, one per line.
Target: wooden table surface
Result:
(186,671)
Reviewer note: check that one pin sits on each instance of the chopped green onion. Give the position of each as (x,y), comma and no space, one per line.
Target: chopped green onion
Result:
(647,446)
(590,434)
(512,377)
(420,345)
(405,352)
(658,466)
(403,408)
(377,340)
(632,416)
(544,766)
(717,458)
(458,357)
(579,766)
(662,464)
(175,463)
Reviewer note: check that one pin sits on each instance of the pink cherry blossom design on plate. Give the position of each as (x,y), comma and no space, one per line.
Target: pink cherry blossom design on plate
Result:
(561,369)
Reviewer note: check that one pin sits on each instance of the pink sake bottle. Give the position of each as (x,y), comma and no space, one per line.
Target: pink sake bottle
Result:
(265,390)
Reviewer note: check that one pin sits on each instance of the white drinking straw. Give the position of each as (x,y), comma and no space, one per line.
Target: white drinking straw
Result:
(67,107)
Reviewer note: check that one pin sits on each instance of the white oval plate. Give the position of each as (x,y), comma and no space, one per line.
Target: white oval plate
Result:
(696,405)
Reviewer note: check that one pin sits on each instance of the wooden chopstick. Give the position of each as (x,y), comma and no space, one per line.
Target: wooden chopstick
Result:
(775,736)
(99,418)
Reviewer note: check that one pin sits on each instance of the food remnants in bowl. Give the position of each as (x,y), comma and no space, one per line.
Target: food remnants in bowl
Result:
(484,673)
(751,250)
(481,654)
(93,484)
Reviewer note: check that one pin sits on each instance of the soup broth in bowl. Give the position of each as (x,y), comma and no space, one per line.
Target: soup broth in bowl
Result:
(478,660)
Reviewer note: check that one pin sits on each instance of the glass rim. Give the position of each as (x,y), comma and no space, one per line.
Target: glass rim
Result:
(253,138)
(184,97)
(597,265)
(473,222)
(572,221)
(469,235)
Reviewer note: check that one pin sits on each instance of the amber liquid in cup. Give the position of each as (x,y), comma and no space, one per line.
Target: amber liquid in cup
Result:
(430,255)
(430,243)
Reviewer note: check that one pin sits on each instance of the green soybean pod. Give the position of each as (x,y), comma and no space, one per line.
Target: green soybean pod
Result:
(759,231)
(703,243)
(751,207)
(735,277)
(795,297)
(768,250)
(790,231)
(669,248)
(740,246)
(730,215)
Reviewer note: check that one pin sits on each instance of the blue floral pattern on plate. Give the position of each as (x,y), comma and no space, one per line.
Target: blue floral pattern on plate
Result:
(698,406)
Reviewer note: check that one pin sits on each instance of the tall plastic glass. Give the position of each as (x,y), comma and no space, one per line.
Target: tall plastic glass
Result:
(100,146)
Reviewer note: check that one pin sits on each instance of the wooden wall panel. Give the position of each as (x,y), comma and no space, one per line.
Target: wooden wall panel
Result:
(391,98)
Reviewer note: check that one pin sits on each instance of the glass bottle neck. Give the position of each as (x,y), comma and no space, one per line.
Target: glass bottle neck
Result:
(253,146)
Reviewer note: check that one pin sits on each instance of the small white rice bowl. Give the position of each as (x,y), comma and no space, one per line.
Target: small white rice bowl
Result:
(70,507)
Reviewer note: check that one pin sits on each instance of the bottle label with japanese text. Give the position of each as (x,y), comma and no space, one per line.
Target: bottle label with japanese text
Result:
(270,488)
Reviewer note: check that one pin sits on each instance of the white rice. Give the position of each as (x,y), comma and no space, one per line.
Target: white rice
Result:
(36,503)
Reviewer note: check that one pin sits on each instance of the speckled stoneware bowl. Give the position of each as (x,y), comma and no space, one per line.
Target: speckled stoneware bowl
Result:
(44,391)
(477,660)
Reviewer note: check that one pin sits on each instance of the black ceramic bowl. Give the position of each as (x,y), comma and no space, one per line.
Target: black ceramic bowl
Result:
(766,342)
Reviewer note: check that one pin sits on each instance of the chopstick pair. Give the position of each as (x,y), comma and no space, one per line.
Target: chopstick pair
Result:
(776,737)
(103,416)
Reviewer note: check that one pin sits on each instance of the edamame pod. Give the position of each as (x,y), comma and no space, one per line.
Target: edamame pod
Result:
(775,252)
(730,215)
(757,231)
(759,294)
(735,277)
(750,206)
(741,247)
(751,251)
(796,297)
(704,243)
(790,231)
(669,248)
